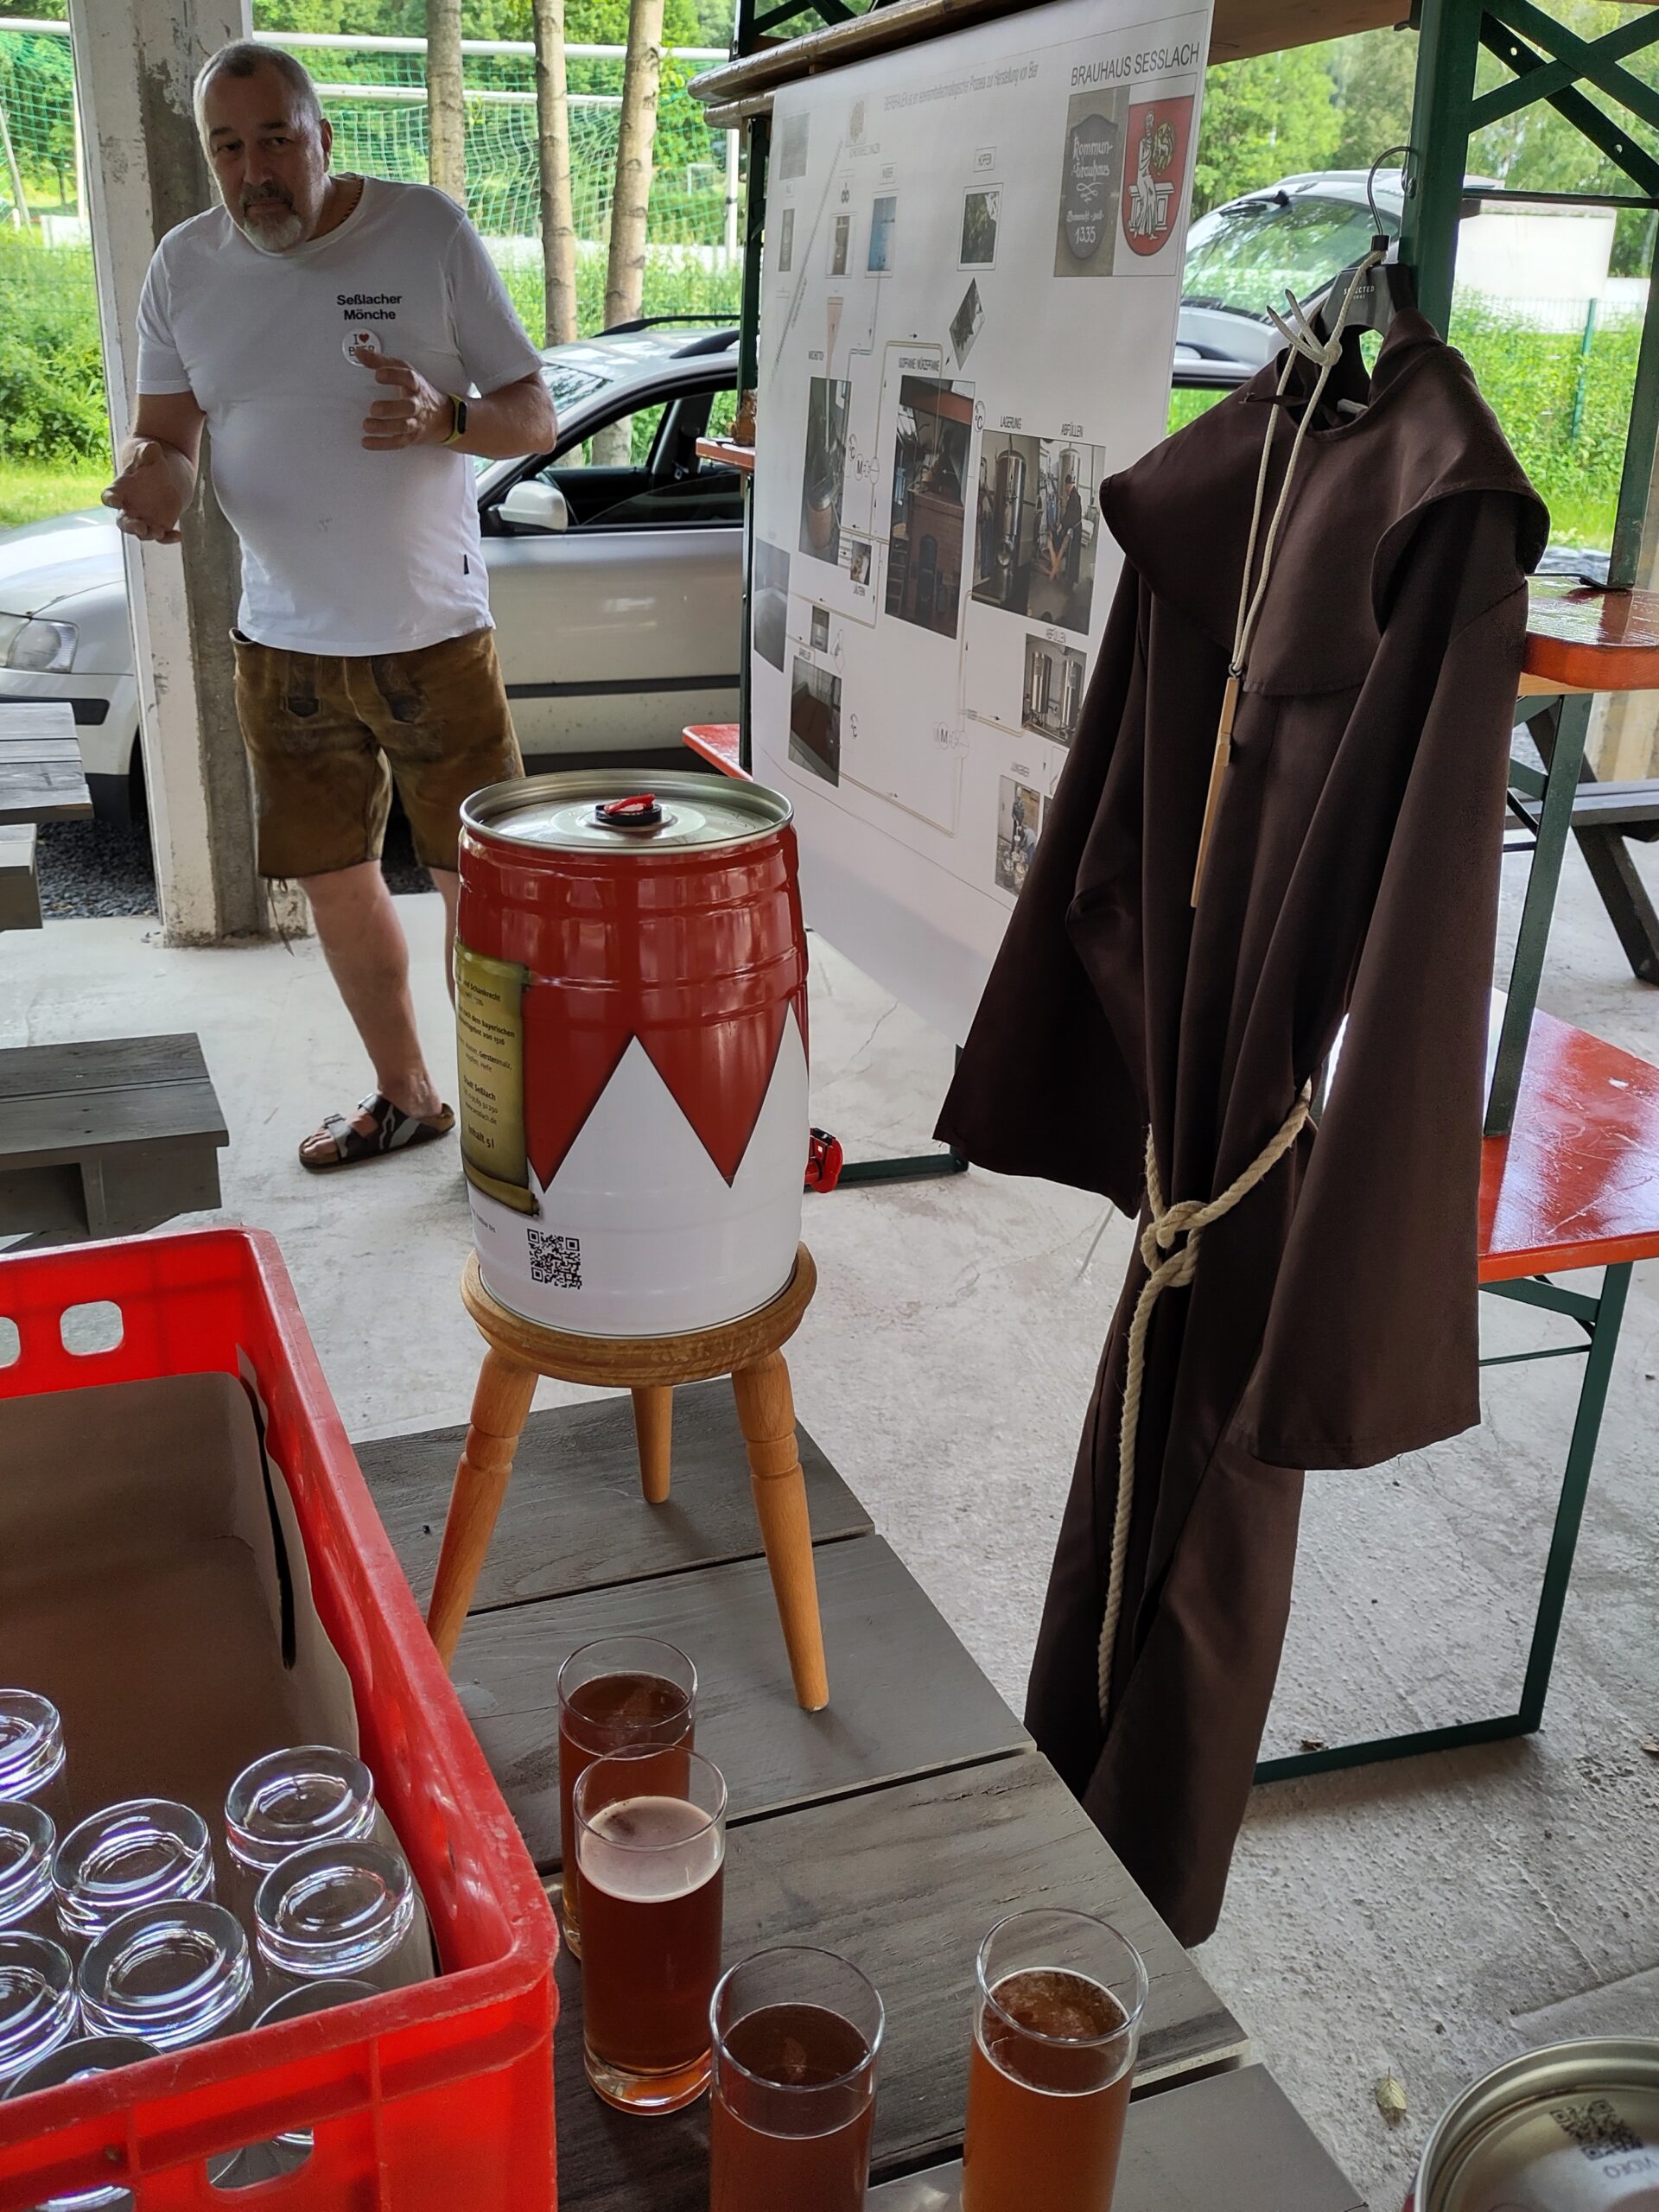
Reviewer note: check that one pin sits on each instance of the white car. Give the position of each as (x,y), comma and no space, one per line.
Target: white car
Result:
(616,584)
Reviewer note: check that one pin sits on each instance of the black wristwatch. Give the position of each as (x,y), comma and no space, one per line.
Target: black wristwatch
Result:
(458,423)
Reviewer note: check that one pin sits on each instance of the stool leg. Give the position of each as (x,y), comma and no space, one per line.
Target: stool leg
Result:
(653,1424)
(501,1406)
(766,1410)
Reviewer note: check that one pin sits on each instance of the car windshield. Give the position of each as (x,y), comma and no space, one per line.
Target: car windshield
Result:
(1244,257)
(568,384)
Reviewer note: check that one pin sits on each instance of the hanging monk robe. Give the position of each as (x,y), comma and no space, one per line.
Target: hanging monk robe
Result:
(1330,1320)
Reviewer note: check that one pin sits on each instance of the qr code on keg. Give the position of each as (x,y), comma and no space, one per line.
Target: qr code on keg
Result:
(1596,2128)
(555,1261)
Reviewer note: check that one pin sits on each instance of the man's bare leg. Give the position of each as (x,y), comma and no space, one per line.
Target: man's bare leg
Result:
(363,943)
(446,884)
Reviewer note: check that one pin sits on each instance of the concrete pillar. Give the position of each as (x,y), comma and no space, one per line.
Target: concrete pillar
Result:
(135,63)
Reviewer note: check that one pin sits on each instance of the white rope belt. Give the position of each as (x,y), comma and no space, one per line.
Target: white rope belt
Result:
(1169,1268)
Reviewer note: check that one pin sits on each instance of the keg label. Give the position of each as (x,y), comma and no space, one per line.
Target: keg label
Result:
(490,1035)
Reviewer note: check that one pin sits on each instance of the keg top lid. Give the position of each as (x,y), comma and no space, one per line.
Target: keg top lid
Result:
(1574,2128)
(601,811)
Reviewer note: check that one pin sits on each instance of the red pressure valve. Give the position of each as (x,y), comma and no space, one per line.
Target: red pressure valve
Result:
(643,810)
(824,1160)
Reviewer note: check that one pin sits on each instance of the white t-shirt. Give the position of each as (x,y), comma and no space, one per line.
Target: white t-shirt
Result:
(344,550)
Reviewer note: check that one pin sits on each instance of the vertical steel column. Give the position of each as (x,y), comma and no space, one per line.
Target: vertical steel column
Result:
(748,375)
(1448,41)
(1635,482)
(1580,1457)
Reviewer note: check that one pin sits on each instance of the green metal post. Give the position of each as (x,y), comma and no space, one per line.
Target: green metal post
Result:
(1580,1457)
(1635,481)
(1448,41)
(1571,717)
(758,137)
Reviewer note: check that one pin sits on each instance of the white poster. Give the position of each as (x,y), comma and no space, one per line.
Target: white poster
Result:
(972,273)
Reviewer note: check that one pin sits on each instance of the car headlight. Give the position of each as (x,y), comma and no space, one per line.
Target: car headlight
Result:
(40,646)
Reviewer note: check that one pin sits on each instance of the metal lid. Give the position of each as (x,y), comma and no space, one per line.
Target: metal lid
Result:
(1573,2128)
(603,811)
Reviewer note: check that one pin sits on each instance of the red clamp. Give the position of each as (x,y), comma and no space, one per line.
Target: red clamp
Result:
(824,1160)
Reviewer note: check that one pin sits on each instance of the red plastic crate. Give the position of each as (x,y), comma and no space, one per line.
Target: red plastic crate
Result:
(434,2099)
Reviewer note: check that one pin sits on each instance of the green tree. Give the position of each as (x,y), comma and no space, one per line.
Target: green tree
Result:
(1267,117)
(1373,75)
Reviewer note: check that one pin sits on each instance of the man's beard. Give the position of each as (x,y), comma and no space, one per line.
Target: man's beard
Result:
(271,236)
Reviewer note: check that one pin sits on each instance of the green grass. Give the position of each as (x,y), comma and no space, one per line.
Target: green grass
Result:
(31,490)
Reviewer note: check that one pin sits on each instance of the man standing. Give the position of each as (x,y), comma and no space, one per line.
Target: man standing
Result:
(349,343)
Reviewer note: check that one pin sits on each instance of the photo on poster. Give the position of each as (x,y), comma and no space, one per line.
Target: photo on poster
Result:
(820,629)
(979,218)
(926,531)
(841,235)
(815,720)
(769,604)
(965,323)
(786,241)
(1018,819)
(1038,527)
(859,558)
(792,147)
(823,474)
(1053,699)
(1091,174)
(883,219)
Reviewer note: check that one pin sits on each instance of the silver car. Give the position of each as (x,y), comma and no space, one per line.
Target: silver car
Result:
(615,572)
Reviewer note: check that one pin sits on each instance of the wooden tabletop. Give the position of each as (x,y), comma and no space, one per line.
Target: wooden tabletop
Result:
(728,452)
(1234,2142)
(41,778)
(1575,1183)
(1581,638)
(716,743)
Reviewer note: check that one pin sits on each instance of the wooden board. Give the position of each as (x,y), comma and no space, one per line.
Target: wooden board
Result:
(905,1883)
(1233,2143)
(574,1520)
(20,890)
(41,777)
(906,1699)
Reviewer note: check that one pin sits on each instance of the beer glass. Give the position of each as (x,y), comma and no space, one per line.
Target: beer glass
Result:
(622,1690)
(79,2061)
(37,2002)
(27,1841)
(148,1851)
(795,2036)
(311,1793)
(286,2152)
(1056,2021)
(177,1974)
(31,1752)
(650,1852)
(340,1910)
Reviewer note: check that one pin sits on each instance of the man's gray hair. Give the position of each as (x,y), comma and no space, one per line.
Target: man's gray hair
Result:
(246,57)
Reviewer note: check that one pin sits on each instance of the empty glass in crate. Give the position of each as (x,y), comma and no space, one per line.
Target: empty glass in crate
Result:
(286,2152)
(37,2002)
(176,1975)
(146,1851)
(28,1842)
(31,1752)
(311,1794)
(341,1910)
(79,2061)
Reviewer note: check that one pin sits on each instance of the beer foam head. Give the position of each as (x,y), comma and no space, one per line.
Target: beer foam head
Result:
(650,1850)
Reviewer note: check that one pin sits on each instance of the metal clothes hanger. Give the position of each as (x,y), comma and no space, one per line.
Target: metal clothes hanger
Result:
(1386,287)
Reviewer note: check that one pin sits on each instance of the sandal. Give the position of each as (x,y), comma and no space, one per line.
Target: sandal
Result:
(394,1131)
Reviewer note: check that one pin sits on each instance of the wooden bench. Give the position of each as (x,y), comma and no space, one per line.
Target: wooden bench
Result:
(41,778)
(20,890)
(106,1138)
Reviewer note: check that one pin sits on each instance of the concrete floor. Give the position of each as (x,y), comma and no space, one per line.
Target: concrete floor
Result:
(1423,1918)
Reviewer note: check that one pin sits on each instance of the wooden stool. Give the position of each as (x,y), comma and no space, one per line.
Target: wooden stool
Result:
(521,1350)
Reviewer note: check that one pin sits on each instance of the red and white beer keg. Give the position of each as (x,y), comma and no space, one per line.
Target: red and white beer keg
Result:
(1572,2128)
(630,1004)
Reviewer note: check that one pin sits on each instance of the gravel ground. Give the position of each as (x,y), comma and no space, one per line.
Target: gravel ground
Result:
(91,868)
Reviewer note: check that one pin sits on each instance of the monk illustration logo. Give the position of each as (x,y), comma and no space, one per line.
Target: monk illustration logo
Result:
(1158,134)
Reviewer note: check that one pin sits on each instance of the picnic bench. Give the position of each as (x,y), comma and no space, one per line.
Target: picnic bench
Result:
(105,1138)
(895,1826)
(40,781)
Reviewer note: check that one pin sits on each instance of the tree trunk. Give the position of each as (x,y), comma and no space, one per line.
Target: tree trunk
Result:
(624,278)
(446,111)
(553,153)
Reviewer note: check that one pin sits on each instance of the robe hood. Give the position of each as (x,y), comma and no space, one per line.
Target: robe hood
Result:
(1340,545)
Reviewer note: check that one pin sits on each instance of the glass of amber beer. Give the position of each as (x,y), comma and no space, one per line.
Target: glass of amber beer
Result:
(651,1855)
(621,1691)
(1057,2021)
(795,2036)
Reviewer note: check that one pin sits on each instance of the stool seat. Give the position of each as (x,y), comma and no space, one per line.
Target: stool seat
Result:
(519,1351)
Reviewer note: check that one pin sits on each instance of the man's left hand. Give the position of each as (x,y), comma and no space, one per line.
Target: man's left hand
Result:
(417,413)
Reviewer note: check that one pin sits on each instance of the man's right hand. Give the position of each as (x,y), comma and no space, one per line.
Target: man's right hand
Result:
(149,494)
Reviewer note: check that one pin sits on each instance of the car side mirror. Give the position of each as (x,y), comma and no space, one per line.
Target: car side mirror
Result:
(534,503)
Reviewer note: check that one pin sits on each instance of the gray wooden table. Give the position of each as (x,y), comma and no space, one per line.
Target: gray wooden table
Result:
(41,778)
(895,1828)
